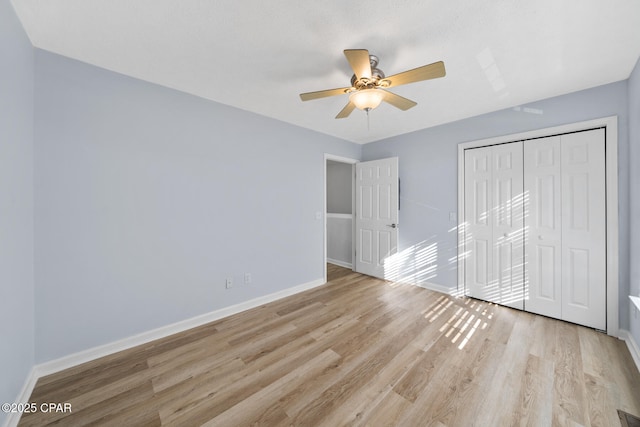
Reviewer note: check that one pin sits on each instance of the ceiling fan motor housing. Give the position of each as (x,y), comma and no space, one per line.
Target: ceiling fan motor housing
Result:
(376,75)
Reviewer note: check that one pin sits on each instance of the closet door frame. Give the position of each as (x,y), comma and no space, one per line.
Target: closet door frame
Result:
(610,124)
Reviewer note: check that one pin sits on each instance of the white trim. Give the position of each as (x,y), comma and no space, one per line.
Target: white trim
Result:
(460,226)
(438,288)
(13,418)
(341,159)
(611,152)
(635,301)
(340,263)
(71,360)
(429,286)
(339,216)
(632,346)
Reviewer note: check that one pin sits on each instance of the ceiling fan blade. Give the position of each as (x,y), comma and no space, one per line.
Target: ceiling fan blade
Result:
(346,110)
(426,72)
(398,101)
(323,93)
(359,61)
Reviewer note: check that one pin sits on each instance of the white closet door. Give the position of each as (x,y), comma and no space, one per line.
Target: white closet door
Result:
(508,225)
(565,221)
(542,175)
(583,228)
(478,230)
(494,269)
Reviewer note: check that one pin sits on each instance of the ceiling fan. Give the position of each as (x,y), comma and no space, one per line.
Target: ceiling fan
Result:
(368,83)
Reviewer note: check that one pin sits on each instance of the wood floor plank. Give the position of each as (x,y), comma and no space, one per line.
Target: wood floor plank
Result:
(378,390)
(543,342)
(569,388)
(387,412)
(357,351)
(481,373)
(255,408)
(590,351)
(401,356)
(533,405)
(445,377)
(622,374)
(322,410)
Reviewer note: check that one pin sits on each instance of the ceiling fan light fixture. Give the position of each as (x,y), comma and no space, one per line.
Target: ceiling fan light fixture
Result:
(366,99)
(368,83)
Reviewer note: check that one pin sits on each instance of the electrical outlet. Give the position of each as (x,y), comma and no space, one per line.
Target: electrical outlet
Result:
(229,283)
(247,278)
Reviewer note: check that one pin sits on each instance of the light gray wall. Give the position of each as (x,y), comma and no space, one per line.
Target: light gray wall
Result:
(428,171)
(147,198)
(16,206)
(339,183)
(634,195)
(340,240)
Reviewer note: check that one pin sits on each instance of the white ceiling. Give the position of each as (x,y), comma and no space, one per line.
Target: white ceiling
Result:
(259,55)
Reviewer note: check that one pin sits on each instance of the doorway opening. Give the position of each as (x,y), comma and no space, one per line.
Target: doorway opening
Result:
(339,209)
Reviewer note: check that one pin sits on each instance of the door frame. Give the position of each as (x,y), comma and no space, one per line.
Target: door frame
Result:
(610,124)
(352,162)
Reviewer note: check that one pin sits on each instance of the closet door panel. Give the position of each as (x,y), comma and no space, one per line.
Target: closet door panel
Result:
(583,229)
(494,224)
(508,230)
(479,282)
(542,175)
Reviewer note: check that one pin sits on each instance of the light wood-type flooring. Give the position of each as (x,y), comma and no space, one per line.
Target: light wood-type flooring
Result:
(357,351)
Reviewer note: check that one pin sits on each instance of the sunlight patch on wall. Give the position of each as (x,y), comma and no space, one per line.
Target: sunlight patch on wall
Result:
(414,265)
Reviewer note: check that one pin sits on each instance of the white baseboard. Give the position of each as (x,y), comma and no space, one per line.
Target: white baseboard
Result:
(340,263)
(164,331)
(13,418)
(78,358)
(438,288)
(632,345)
(430,286)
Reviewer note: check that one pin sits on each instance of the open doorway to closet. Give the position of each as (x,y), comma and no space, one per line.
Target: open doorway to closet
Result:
(339,208)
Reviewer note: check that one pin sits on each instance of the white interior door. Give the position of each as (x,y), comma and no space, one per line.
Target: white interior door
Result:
(583,228)
(376,215)
(543,249)
(494,231)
